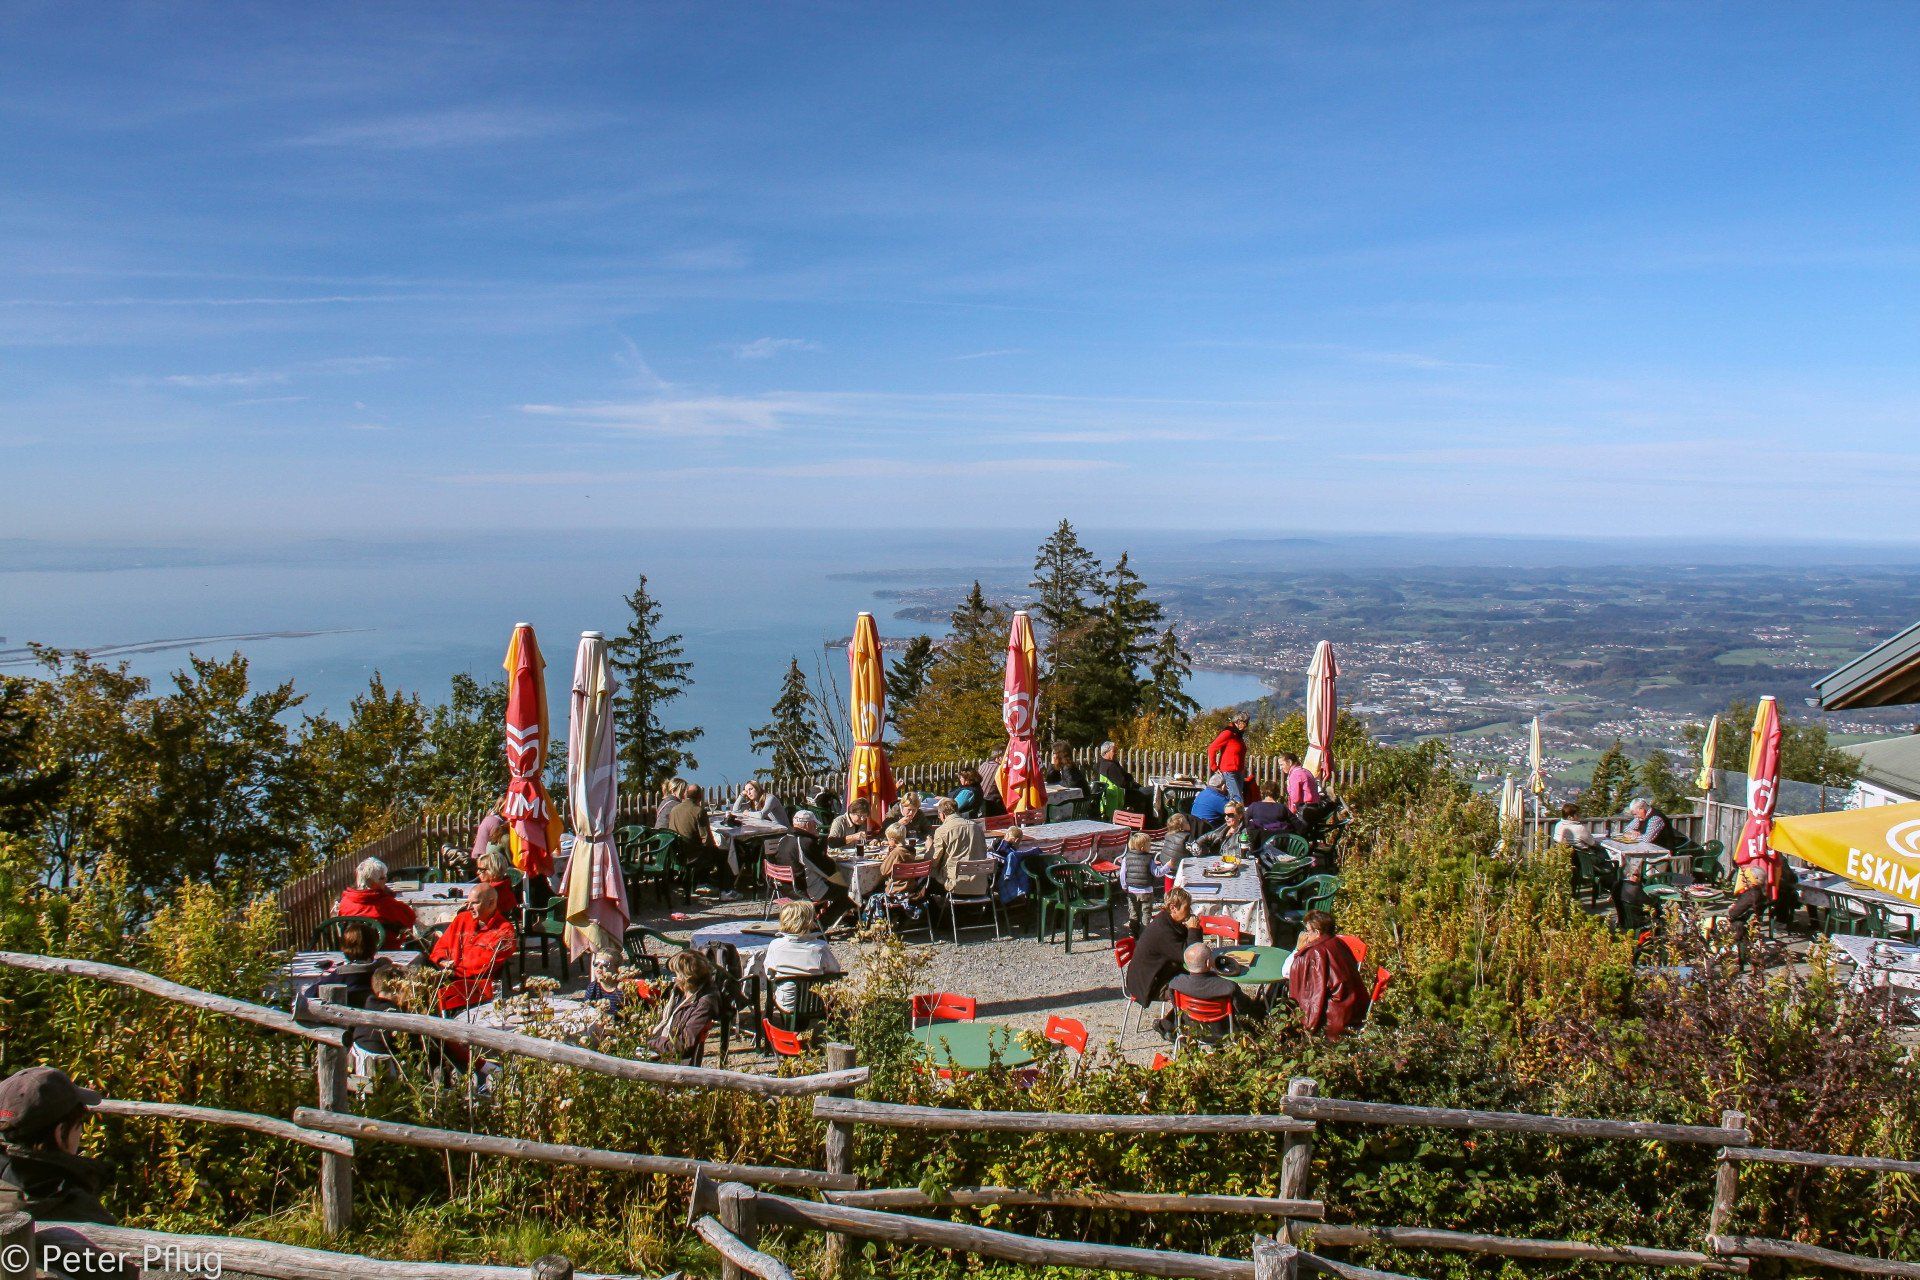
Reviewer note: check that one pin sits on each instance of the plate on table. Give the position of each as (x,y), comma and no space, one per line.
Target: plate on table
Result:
(1220,869)
(1700,891)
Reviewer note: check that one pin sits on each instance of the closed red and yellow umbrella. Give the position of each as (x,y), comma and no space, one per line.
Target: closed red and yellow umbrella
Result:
(534,825)
(1763,780)
(1023,786)
(869,776)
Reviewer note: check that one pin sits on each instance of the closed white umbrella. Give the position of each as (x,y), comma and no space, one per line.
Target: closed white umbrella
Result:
(596,891)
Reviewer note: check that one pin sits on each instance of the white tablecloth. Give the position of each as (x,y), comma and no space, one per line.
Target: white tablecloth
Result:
(1240,897)
(432,905)
(1820,888)
(1876,960)
(573,1017)
(317,964)
(751,834)
(862,875)
(1049,836)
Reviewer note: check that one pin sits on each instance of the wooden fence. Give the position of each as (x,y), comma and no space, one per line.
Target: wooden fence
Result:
(851,1210)
(308,902)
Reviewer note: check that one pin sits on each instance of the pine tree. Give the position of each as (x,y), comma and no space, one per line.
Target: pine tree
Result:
(908,676)
(1167,672)
(791,740)
(1659,780)
(1611,786)
(1066,577)
(652,672)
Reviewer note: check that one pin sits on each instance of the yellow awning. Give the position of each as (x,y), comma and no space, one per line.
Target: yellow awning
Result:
(1878,847)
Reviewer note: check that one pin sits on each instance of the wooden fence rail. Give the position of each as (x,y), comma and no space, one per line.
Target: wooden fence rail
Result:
(259,1015)
(272,1126)
(896,1115)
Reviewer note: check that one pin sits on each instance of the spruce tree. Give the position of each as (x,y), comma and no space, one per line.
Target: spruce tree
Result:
(1659,780)
(791,740)
(956,713)
(908,676)
(1167,672)
(653,671)
(1611,786)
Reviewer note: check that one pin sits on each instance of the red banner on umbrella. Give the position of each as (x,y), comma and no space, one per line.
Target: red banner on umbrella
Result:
(1763,781)
(1023,785)
(535,826)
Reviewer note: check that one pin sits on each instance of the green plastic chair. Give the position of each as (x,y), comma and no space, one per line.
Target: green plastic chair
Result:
(327,936)
(1315,893)
(1594,873)
(1080,891)
(636,943)
(1109,798)
(657,863)
(1045,894)
(547,928)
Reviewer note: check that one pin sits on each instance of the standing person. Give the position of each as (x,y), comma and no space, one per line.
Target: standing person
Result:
(42,1116)
(955,840)
(1137,880)
(1227,756)
(473,950)
(1324,980)
(372,899)
(1158,951)
(492,833)
(803,850)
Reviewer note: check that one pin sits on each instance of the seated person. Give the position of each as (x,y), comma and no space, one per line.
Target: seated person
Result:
(991,805)
(360,943)
(1210,805)
(967,797)
(492,867)
(851,829)
(1233,835)
(370,897)
(1137,880)
(1175,846)
(42,1173)
(1305,800)
(603,983)
(804,852)
(1570,830)
(799,952)
(758,804)
(1632,908)
(1157,953)
(690,1010)
(1325,981)
(918,821)
(1063,772)
(693,838)
(473,950)
(955,840)
(670,797)
(1200,982)
(1268,816)
(1109,772)
(1010,850)
(1650,826)
(386,994)
(902,895)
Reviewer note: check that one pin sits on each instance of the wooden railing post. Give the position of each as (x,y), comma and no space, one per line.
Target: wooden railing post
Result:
(16,1247)
(840,1057)
(1296,1158)
(1273,1260)
(738,1215)
(554,1266)
(1726,1183)
(336,1171)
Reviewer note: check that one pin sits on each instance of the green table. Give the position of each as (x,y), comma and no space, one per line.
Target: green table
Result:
(1264,964)
(973,1046)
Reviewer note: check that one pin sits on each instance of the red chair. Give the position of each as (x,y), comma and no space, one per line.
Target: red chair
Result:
(1070,1032)
(1122,957)
(1128,818)
(943,1006)
(1357,947)
(776,874)
(910,874)
(1381,978)
(785,1043)
(1000,822)
(1077,848)
(1220,927)
(1206,1013)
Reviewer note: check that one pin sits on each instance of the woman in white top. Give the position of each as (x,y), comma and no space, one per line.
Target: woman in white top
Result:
(1571,831)
(798,952)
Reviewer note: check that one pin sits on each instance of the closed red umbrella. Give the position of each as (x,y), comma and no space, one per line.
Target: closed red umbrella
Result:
(1763,781)
(535,826)
(1023,787)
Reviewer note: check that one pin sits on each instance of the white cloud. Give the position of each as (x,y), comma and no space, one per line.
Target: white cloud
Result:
(341,366)
(763,348)
(454,127)
(990,355)
(864,468)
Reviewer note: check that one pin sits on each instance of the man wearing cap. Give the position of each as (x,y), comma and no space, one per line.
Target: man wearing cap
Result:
(42,1172)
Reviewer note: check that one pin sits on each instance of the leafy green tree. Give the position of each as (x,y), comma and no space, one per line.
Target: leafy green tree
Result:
(29,789)
(1168,668)
(907,676)
(1611,785)
(370,772)
(956,715)
(791,740)
(1660,780)
(466,765)
(653,672)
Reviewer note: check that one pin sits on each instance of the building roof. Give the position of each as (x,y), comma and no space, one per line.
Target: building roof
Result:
(1885,676)
(1890,763)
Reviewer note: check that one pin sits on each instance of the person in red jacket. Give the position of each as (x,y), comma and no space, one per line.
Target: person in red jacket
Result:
(1324,980)
(1227,756)
(371,898)
(473,950)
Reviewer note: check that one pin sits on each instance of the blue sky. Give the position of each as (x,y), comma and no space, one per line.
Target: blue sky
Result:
(1533,269)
